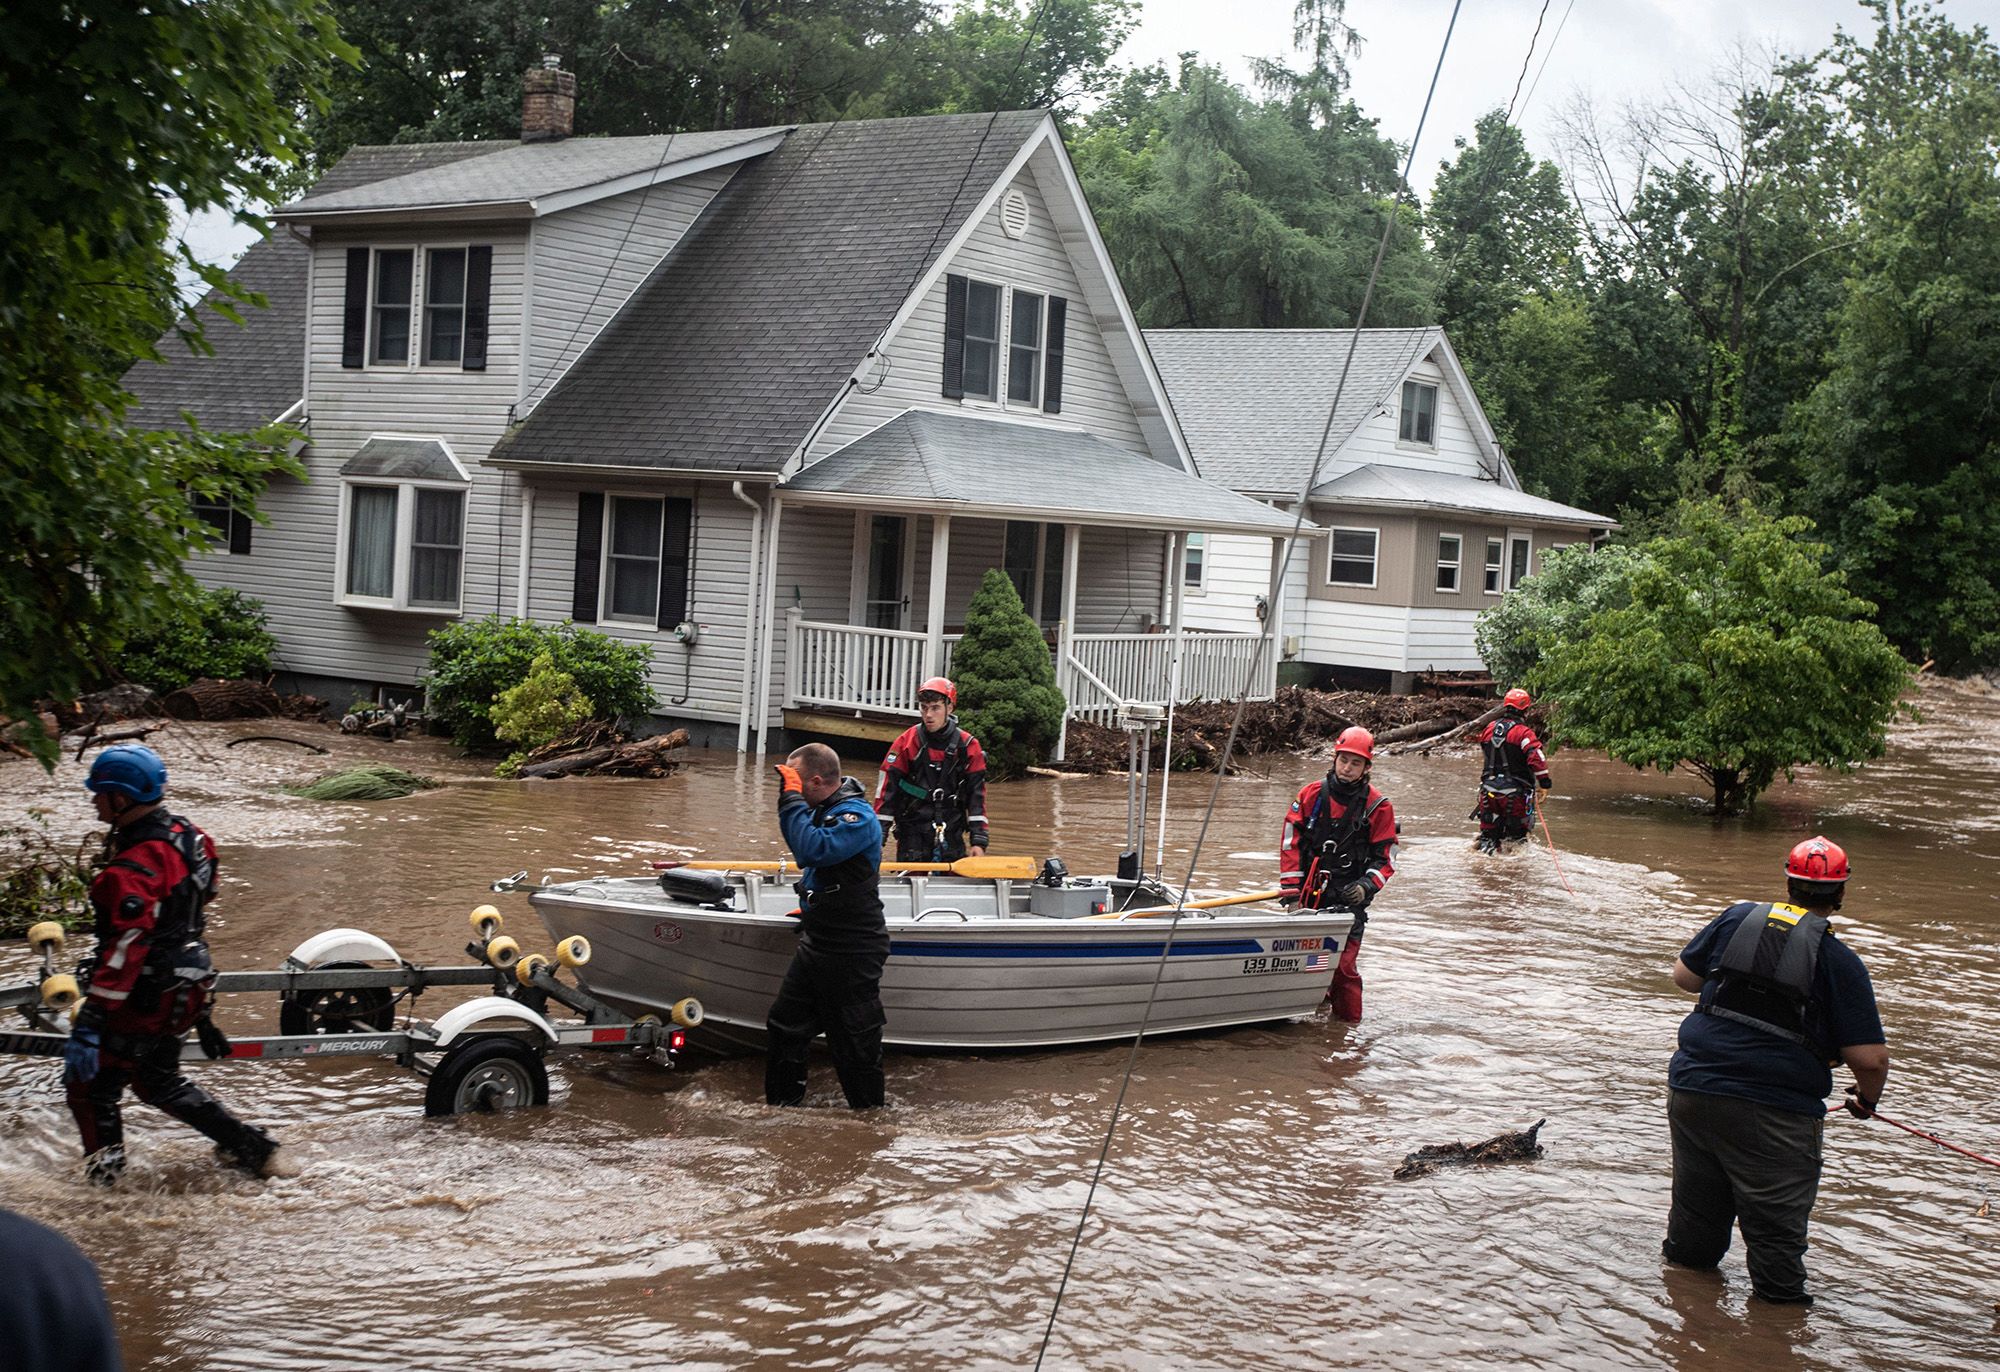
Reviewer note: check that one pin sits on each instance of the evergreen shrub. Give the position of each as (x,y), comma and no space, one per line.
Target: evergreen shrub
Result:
(473,663)
(1006,679)
(211,633)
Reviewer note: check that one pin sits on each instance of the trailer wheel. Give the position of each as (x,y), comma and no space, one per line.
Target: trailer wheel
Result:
(489,1072)
(352,1010)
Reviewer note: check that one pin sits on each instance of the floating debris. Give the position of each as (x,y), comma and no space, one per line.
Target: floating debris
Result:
(372,781)
(1516,1146)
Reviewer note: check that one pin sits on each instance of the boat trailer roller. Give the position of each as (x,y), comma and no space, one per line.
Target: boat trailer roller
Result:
(334,1000)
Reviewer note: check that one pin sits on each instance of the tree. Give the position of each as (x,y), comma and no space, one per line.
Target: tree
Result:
(1007,696)
(112,112)
(1552,607)
(1737,657)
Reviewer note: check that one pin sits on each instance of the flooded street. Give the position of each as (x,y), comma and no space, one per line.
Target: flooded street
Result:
(1246,1218)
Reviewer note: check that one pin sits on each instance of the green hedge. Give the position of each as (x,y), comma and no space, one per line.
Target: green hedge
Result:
(472,663)
(213,633)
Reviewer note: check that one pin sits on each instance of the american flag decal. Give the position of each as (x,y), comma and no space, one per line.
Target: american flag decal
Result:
(1320,962)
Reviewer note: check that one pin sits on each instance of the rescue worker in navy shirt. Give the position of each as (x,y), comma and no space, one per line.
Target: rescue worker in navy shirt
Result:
(1339,849)
(834,985)
(1511,771)
(150,980)
(1782,1000)
(933,786)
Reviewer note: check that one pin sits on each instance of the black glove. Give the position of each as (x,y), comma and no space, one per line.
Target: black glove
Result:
(1356,894)
(1545,781)
(214,1043)
(1858,1105)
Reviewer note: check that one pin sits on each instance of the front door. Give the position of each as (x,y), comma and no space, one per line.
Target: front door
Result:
(886,605)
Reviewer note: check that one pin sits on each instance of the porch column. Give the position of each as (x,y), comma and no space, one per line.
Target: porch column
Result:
(762,705)
(1066,628)
(1274,620)
(934,620)
(1177,600)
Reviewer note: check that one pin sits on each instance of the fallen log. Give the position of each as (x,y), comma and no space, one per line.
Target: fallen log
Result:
(564,766)
(274,738)
(1477,722)
(646,757)
(94,740)
(209,698)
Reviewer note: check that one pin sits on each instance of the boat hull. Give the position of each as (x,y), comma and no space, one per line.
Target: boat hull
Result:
(959,980)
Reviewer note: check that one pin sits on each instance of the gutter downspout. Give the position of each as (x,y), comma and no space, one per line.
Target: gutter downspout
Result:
(750,599)
(770,621)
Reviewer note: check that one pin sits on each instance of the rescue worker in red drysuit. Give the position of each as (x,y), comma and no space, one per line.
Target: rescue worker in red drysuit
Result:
(933,786)
(150,980)
(1339,850)
(1511,771)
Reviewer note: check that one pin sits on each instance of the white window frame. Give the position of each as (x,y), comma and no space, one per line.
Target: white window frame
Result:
(604,555)
(1456,562)
(1041,352)
(1496,572)
(202,507)
(1527,563)
(1374,557)
(1001,317)
(421,337)
(406,517)
(1403,413)
(1198,551)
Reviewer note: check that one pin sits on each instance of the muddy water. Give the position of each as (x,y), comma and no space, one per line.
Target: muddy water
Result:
(1246,1216)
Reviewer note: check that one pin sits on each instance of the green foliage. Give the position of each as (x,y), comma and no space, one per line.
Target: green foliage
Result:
(371,781)
(546,705)
(1551,607)
(1734,655)
(211,633)
(112,113)
(1007,696)
(473,662)
(41,878)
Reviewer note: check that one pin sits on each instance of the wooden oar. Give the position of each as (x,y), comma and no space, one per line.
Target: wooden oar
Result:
(1213,902)
(991,868)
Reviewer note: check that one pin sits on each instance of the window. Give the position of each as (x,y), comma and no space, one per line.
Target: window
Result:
(1518,548)
(1352,558)
(632,558)
(1494,552)
(1419,418)
(1024,350)
(1448,559)
(405,545)
(1034,563)
(1052,572)
(982,340)
(390,311)
(1194,565)
(1024,550)
(444,306)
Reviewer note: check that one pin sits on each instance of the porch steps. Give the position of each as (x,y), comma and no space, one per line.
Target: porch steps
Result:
(879,728)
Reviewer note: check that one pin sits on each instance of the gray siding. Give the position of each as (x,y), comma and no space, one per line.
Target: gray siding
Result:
(1118,580)
(1094,398)
(589,260)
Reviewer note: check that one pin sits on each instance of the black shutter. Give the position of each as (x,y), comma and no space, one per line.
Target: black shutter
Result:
(1052,374)
(954,337)
(589,550)
(478,296)
(354,315)
(676,546)
(239,533)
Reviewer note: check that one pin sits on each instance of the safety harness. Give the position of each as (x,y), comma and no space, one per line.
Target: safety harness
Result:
(940,791)
(1335,855)
(1504,758)
(1765,978)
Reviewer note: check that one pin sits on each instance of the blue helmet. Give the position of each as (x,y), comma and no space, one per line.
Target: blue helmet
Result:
(131,769)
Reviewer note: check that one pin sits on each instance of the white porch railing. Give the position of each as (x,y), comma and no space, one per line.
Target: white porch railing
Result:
(851,667)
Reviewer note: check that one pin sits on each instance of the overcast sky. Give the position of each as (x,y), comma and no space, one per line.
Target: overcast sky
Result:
(1615,51)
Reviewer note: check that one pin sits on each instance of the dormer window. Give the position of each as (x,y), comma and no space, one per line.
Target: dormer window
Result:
(1418,424)
(423,307)
(1030,349)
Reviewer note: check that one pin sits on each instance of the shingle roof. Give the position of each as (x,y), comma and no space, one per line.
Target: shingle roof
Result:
(509,172)
(1253,402)
(1404,487)
(729,352)
(412,459)
(937,457)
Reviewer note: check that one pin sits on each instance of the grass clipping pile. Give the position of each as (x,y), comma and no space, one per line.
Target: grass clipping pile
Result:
(371,781)
(1297,720)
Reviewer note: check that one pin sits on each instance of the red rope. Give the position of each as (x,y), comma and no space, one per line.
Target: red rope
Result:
(1543,817)
(1976,1157)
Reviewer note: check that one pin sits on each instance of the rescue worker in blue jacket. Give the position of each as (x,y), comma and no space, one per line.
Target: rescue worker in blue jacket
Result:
(834,985)
(150,980)
(1782,1000)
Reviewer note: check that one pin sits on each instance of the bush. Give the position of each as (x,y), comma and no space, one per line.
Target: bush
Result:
(544,707)
(1551,606)
(472,663)
(1006,681)
(213,634)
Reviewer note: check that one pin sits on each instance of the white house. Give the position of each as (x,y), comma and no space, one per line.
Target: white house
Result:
(1428,525)
(769,400)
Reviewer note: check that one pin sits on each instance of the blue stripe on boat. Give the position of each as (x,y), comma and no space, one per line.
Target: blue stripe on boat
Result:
(1187,948)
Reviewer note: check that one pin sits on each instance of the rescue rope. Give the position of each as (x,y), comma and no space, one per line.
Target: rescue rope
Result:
(1933,1138)
(1541,813)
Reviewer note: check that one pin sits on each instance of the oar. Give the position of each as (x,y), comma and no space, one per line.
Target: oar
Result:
(1213,902)
(991,868)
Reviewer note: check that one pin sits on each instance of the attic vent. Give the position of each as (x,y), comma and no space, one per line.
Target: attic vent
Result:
(1014,214)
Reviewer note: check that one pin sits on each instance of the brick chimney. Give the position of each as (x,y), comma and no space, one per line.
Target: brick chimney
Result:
(548,102)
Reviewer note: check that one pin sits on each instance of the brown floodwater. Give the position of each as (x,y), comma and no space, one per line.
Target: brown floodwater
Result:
(1246,1217)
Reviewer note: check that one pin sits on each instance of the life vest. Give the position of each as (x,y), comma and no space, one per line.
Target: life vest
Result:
(1336,851)
(182,916)
(936,785)
(847,894)
(1765,979)
(1505,758)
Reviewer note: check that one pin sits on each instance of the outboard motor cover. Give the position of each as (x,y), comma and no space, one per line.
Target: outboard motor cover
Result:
(696,888)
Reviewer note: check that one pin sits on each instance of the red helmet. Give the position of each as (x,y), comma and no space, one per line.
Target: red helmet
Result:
(1817,859)
(1517,699)
(942,686)
(1357,740)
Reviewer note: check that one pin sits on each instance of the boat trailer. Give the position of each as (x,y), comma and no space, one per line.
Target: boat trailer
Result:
(335,999)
